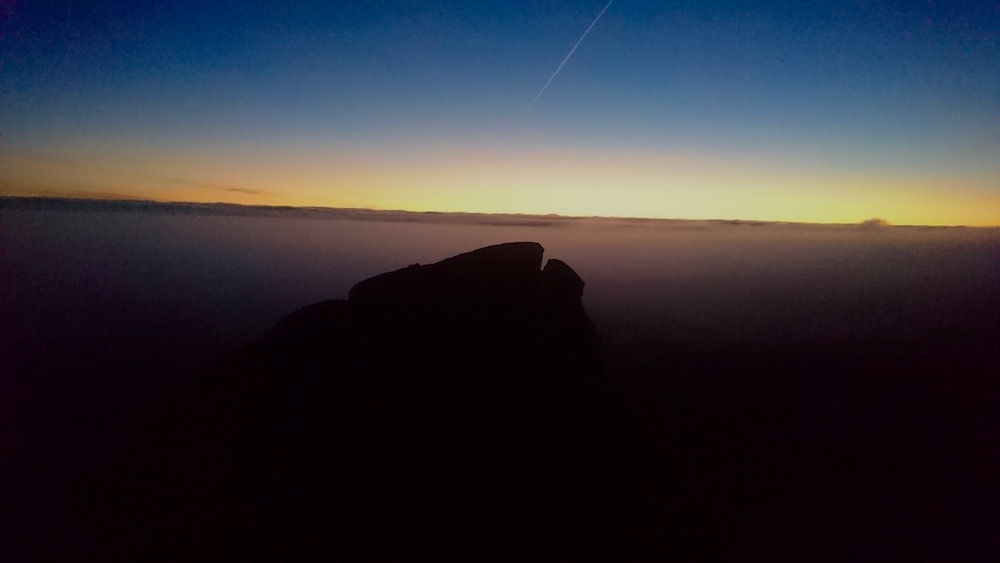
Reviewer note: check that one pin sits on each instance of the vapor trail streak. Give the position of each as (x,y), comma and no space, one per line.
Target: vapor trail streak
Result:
(571,51)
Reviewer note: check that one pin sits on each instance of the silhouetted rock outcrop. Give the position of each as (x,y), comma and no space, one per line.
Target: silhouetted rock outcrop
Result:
(464,328)
(456,408)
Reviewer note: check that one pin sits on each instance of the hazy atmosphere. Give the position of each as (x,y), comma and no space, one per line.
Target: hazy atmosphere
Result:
(233,271)
(520,280)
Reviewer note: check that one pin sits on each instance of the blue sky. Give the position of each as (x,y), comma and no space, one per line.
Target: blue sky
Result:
(871,95)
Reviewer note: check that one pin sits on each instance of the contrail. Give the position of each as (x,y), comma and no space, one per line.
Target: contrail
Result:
(571,51)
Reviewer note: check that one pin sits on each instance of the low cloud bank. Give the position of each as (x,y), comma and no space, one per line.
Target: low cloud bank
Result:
(123,204)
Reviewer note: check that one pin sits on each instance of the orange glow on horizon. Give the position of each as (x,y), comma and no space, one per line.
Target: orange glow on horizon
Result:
(581,183)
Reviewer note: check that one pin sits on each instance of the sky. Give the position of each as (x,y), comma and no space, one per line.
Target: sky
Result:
(799,110)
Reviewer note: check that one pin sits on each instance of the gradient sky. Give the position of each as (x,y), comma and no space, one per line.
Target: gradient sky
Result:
(826,111)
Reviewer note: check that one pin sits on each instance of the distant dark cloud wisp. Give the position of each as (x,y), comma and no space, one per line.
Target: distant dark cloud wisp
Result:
(216,187)
(244,191)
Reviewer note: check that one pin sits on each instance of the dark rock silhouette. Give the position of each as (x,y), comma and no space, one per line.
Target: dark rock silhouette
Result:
(452,409)
(478,324)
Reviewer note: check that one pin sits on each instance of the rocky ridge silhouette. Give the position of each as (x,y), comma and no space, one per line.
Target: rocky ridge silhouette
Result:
(452,409)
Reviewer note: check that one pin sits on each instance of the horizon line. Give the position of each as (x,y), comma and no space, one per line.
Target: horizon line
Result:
(873,222)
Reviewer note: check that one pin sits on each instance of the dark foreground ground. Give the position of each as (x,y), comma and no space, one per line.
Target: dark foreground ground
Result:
(115,447)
